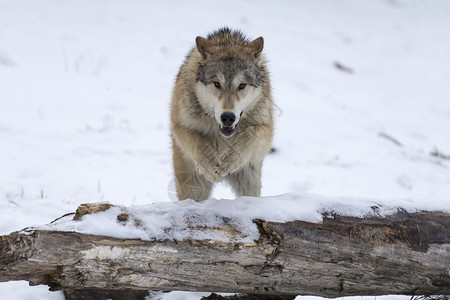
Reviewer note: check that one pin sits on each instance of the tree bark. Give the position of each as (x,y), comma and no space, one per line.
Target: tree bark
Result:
(405,253)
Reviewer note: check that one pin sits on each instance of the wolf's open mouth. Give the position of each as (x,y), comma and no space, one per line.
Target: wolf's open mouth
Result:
(227,130)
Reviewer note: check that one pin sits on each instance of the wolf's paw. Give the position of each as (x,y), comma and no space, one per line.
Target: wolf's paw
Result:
(228,163)
(211,176)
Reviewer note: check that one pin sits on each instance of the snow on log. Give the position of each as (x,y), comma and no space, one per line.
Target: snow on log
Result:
(286,245)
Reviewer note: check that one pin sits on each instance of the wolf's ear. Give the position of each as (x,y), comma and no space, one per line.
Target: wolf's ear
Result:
(255,47)
(203,46)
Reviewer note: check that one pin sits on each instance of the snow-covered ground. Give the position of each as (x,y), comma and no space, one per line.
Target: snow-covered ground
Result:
(180,221)
(85,89)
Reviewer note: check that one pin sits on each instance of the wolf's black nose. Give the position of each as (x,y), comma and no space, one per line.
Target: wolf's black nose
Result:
(227,118)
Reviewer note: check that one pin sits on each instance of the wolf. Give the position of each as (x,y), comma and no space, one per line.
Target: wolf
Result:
(221,116)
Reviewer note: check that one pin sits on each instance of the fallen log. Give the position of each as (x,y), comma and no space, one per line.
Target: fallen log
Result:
(405,253)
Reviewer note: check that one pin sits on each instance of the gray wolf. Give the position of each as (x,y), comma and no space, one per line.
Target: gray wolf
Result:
(221,116)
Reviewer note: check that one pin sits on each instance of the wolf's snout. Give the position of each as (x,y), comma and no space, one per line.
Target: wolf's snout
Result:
(227,118)
(227,128)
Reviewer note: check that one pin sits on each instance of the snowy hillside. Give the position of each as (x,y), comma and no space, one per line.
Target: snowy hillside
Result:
(361,90)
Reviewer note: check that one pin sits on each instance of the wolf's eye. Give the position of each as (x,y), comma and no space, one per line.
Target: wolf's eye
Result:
(217,84)
(242,86)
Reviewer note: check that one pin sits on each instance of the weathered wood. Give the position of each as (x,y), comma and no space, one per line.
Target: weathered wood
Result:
(103,294)
(96,294)
(403,253)
(214,296)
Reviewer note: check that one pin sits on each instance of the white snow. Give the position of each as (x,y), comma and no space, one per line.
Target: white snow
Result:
(179,221)
(85,87)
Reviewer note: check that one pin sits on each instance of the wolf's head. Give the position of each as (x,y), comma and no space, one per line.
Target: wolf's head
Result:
(230,76)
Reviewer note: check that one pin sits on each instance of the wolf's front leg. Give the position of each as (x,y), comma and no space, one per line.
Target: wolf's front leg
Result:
(190,184)
(198,150)
(247,180)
